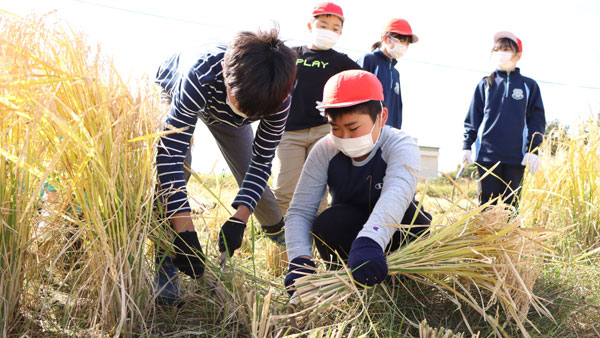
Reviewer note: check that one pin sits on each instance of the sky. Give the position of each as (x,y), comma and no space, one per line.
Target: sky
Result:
(438,74)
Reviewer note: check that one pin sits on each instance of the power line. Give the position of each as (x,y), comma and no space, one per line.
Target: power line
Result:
(344,49)
(149,14)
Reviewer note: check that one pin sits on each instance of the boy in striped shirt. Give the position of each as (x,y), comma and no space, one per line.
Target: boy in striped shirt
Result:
(228,87)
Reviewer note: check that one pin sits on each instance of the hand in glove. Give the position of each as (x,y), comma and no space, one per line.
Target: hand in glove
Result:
(299,266)
(275,232)
(467,157)
(230,237)
(367,262)
(189,258)
(533,162)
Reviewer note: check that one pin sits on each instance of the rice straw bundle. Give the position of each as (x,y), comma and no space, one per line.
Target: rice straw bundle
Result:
(484,259)
(425,331)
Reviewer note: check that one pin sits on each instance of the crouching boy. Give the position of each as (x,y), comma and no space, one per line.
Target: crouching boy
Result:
(227,88)
(369,169)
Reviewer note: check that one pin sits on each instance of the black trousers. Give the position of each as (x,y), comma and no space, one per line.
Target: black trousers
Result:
(505,180)
(337,227)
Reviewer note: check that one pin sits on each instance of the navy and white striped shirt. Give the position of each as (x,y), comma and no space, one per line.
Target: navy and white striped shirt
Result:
(199,92)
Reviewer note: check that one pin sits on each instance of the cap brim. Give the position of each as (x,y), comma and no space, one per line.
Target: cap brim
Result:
(505,34)
(414,37)
(341,104)
(330,13)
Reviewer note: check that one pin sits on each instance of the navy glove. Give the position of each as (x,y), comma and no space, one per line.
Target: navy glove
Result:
(367,262)
(189,258)
(230,237)
(275,232)
(299,266)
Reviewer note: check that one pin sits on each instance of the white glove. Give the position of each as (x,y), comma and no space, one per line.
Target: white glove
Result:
(467,157)
(533,162)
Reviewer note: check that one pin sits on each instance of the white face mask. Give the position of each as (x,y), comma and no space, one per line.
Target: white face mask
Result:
(357,146)
(503,60)
(324,38)
(396,50)
(234,108)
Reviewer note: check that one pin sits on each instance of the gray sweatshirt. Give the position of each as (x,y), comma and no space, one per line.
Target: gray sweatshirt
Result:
(385,182)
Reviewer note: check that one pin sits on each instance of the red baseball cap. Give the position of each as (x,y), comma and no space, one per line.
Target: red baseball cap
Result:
(511,36)
(400,26)
(324,8)
(349,88)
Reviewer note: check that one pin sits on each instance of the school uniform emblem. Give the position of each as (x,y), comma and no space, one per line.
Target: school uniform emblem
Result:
(517,94)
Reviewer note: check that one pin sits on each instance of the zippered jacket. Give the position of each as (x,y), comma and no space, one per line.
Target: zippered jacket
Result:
(384,68)
(506,120)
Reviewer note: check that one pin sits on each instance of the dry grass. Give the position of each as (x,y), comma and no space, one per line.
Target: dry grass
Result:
(85,134)
(81,263)
(567,189)
(483,259)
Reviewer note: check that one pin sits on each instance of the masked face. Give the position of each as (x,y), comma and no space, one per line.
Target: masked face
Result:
(323,38)
(503,60)
(357,146)
(325,31)
(395,48)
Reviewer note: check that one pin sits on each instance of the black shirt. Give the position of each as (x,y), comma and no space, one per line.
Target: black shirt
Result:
(315,67)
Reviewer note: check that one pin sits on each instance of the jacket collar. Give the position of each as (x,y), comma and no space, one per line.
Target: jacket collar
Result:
(382,55)
(503,73)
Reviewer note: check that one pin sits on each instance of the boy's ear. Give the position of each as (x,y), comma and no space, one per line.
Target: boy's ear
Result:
(384,115)
(309,25)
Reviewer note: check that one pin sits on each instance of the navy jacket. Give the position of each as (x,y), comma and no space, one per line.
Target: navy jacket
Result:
(506,119)
(384,68)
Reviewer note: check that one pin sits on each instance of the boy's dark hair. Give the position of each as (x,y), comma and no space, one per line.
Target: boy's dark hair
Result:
(373,108)
(397,36)
(260,71)
(328,15)
(501,44)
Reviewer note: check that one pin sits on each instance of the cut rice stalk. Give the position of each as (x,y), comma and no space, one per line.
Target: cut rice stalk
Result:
(485,259)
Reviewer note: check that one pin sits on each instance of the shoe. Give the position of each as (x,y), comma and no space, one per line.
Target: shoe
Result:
(166,282)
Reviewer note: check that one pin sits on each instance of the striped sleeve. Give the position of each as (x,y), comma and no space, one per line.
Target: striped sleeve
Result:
(166,77)
(268,135)
(188,100)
